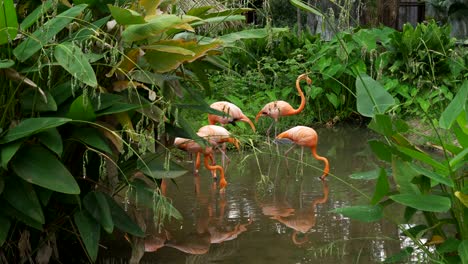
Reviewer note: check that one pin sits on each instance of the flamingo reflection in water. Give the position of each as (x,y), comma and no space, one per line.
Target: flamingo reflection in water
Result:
(210,227)
(301,220)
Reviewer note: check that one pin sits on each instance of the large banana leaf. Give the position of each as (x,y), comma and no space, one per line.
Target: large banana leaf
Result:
(156,26)
(162,61)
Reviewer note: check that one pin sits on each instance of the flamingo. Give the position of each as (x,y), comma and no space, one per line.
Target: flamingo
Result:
(277,109)
(215,135)
(306,137)
(191,146)
(219,135)
(234,114)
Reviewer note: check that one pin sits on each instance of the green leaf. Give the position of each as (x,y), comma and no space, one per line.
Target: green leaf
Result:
(403,175)
(52,140)
(22,197)
(381,188)
(423,202)
(4,228)
(96,204)
(400,257)
(8,151)
(171,49)
(8,21)
(230,38)
(219,19)
(382,150)
(9,210)
(154,165)
(6,63)
(463,251)
(93,138)
(382,124)
(121,219)
(126,16)
(364,213)
(90,232)
(120,107)
(433,175)
(44,34)
(424,158)
(32,100)
(333,99)
(156,26)
(82,109)
(366,175)
(35,15)
(301,5)
(460,157)
(39,166)
(372,98)
(457,105)
(31,126)
(449,245)
(72,59)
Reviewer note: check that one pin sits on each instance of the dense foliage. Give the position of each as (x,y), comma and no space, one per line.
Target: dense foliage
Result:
(89,102)
(93,94)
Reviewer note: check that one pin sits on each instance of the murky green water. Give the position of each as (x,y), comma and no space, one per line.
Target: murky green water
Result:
(274,210)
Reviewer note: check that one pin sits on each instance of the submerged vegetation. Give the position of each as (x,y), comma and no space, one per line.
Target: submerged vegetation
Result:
(93,95)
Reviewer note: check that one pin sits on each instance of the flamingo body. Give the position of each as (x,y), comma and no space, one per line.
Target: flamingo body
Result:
(233,114)
(306,137)
(281,108)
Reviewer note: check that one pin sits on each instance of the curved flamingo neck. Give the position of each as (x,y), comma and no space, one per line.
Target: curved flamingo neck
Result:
(325,160)
(301,93)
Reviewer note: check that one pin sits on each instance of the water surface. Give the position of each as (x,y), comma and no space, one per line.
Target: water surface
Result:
(275,210)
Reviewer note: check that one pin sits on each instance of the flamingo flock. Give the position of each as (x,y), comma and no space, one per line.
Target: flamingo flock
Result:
(215,136)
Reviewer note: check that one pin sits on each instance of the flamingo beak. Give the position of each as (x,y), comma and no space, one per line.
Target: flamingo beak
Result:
(247,120)
(258,116)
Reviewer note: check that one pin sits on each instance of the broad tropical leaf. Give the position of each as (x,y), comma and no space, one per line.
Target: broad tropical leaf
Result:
(21,196)
(164,61)
(463,251)
(126,16)
(31,126)
(96,204)
(429,203)
(39,166)
(230,38)
(372,98)
(382,187)
(35,15)
(8,21)
(366,175)
(82,109)
(452,111)
(72,59)
(44,34)
(93,138)
(90,232)
(7,152)
(121,219)
(51,138)
(156,26)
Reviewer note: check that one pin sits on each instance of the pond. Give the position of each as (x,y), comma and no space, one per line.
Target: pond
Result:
(275,210)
